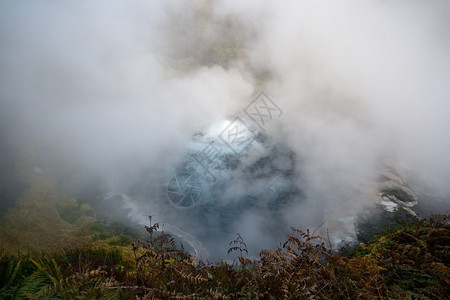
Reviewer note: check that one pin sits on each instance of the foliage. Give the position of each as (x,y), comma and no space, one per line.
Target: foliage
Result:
(44,217)
(410,262)
(379,221)
(415,258)
(114,232)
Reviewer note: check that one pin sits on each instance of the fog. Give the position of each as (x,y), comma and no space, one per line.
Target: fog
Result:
(118,89)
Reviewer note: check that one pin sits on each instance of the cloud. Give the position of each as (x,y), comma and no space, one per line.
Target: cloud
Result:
(118,88)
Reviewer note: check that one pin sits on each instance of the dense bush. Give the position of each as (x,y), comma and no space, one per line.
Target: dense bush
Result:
(410,262)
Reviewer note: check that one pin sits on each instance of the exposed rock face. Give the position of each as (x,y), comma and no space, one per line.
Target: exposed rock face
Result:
(394,189)
(393,201)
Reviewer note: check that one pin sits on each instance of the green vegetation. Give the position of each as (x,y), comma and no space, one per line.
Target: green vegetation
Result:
(379,221)
(44,217)
(410,262)
(113,232)
(55,247)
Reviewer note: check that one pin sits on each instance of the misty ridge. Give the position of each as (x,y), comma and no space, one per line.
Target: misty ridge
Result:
(105,102)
